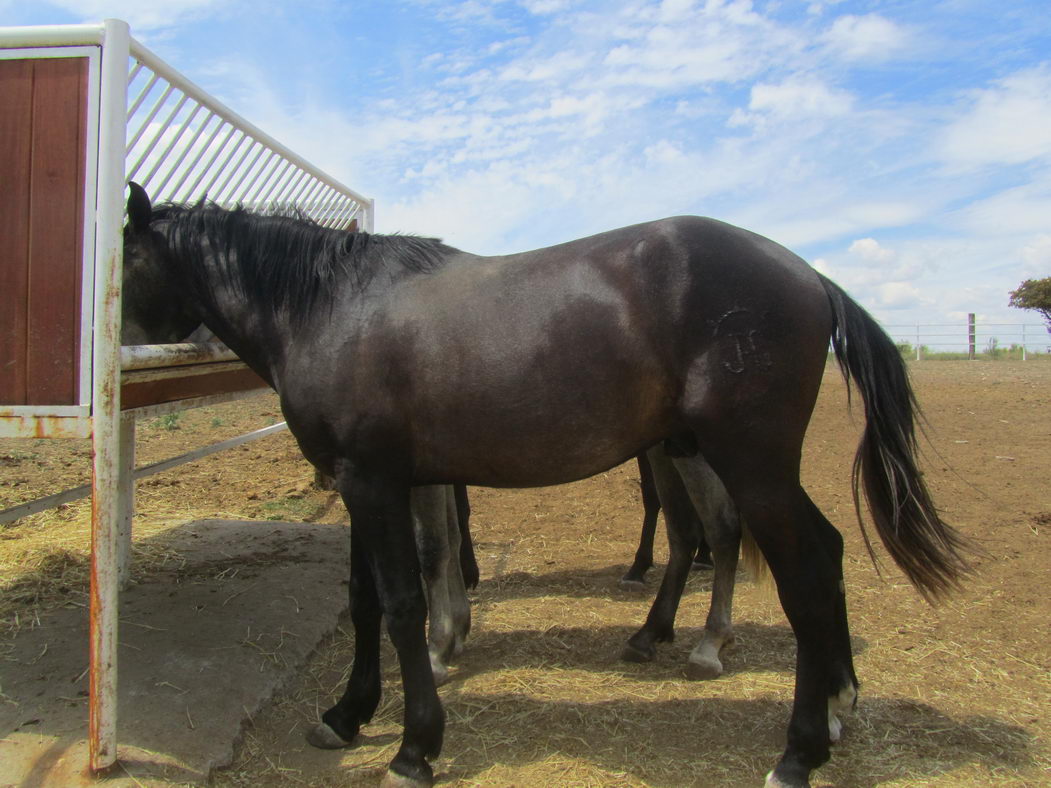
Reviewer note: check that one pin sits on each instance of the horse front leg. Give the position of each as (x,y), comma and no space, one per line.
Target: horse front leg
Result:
(340,725)
(381,516)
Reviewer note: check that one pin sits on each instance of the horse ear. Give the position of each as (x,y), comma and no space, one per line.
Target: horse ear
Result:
(139,208)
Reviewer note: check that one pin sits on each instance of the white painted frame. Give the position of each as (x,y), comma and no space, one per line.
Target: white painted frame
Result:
(291,180)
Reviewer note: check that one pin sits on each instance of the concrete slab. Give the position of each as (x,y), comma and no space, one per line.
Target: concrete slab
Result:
(204,643)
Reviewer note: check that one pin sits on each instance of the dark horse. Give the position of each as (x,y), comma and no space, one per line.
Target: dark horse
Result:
(402,362)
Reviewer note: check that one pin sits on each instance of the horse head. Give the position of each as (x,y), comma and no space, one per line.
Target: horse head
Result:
(155,309)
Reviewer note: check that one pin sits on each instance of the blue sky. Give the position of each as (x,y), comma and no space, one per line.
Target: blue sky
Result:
(904,148)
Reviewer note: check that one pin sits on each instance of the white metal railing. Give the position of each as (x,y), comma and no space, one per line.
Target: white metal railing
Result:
(183,145)
(1031,338)
(148,123)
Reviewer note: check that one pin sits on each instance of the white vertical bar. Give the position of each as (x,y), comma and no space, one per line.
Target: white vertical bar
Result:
(102,702)
(370,216)
(87,288)
(188,171)
(163,158)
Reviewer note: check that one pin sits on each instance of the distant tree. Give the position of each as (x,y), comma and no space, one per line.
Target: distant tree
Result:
(1034,294)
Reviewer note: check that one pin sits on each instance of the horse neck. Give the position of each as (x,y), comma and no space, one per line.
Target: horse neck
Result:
(256,332)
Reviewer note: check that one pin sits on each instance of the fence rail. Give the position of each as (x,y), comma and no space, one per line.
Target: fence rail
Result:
(977,339)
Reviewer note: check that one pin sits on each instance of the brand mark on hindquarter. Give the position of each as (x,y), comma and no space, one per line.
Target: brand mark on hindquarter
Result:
(739,337)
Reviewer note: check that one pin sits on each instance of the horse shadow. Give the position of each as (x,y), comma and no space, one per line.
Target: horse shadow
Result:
(759,648)
(715,741)
(600,582)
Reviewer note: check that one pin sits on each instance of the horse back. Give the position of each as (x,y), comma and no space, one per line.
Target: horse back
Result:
(484,368)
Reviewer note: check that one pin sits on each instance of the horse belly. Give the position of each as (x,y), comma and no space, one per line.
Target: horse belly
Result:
(539,436)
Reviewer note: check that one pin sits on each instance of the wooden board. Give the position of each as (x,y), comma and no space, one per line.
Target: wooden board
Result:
(43,122)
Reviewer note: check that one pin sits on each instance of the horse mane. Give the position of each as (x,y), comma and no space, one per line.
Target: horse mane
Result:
(282,259)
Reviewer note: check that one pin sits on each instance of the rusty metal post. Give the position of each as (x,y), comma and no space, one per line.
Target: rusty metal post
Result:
(105,396)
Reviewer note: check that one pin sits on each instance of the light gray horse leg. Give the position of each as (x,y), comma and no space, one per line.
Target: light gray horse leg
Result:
(459,604)
(722,531)
(430,522)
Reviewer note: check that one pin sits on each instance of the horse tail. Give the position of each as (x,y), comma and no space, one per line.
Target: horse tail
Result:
(928,550)
(755,562)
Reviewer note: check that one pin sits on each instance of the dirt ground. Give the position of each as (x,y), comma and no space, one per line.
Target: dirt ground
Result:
(954,695)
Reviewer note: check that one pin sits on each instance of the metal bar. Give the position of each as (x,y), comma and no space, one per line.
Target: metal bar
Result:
(262,168)
(260,196)
(237,168)
(76,493)
(51,35)
(143,93)
(102,698)
(156,137)
(185,151)
(222,167)
(152,356)
(200,154)
(148,119)
(290,186)
(163,158)
(308,188)
(186,86)
(207,167)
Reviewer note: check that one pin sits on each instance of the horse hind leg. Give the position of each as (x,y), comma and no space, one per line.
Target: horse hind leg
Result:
(635,578)
(804,554)
(682,542)
(430,518)
(722,532)
(459,604)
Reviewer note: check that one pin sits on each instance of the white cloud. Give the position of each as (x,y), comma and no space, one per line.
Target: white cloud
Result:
(869,37)
(800,96)
(1008,123)
(543,7)
(142,16)
(1036,257)
(1019,210)
(869,249)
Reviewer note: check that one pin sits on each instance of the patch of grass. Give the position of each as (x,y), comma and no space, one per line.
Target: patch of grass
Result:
(169,422)
(292,509)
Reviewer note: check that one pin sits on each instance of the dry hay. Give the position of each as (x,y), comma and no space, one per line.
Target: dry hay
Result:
(950,696)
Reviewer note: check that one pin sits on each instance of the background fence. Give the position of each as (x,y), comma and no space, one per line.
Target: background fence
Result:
(977,339)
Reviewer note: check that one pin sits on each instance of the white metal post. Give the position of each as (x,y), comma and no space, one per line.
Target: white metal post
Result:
(109,217)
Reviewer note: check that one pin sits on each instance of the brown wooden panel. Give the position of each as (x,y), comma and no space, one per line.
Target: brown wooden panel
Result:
(16,114)
(55,231)
(153,392)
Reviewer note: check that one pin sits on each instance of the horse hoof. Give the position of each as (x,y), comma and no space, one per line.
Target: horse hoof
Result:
(324,738)
(394,780)
(772,781)
(703,671)
(441,674)
(635,654)
(634,586)
(835,729)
